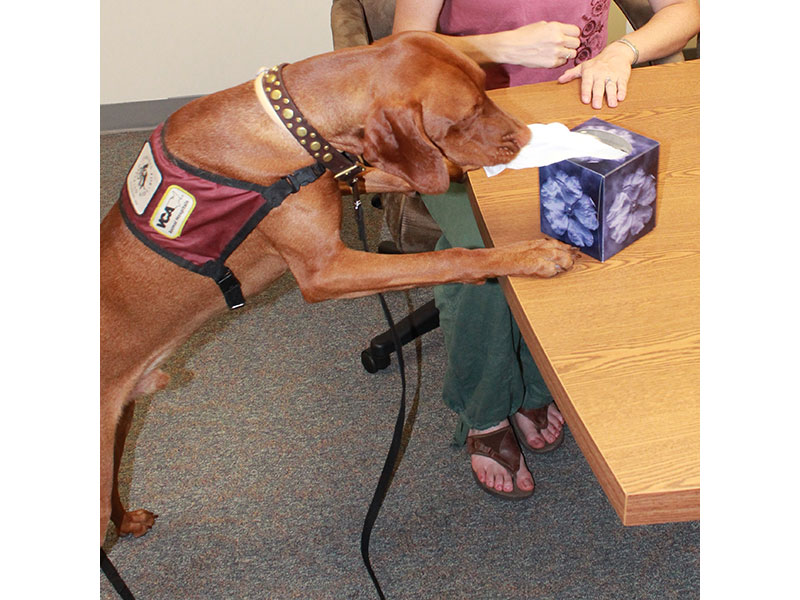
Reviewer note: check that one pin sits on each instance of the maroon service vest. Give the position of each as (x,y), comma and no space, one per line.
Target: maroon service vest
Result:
(195,218)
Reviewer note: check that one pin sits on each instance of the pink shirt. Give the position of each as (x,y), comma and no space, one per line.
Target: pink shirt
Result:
(470,17)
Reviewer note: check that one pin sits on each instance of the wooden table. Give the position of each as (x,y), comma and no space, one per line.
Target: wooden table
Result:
(618,342)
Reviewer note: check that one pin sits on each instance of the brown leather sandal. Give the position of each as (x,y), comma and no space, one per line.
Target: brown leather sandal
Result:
(539,418)
(502,447)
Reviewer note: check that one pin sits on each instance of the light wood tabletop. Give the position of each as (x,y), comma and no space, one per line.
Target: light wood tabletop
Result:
(618,342)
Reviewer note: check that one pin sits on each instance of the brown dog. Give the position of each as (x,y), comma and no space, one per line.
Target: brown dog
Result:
(431,111)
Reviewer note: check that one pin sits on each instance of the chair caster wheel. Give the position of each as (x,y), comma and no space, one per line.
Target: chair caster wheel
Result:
(372,363)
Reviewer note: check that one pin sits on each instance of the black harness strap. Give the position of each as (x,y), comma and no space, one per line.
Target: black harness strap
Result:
(229,286)
(273,196)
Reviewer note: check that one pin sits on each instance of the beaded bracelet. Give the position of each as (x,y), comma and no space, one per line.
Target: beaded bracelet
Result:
(630,45)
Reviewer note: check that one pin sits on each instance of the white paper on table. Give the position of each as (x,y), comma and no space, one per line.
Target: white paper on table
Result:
(554,142)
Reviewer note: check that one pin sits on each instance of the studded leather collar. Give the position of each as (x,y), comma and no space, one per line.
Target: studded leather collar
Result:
(275,97)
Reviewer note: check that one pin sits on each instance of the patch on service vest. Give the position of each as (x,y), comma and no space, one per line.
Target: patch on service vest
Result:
(143,180)
(172,212)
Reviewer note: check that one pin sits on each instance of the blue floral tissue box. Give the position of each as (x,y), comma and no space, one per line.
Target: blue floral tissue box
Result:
(601,206)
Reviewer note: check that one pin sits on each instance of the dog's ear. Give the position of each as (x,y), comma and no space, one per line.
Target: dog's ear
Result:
(396,142)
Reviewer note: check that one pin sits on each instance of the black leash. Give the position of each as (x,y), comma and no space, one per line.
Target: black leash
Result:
(274,95)
(394,448)
(114,577)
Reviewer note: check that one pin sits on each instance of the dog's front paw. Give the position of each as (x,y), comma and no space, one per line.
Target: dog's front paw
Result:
(136,522)
(551,257)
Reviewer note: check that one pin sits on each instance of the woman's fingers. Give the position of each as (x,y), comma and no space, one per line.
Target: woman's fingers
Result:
(600,78)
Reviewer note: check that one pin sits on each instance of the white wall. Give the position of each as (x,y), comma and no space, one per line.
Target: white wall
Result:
(154,49)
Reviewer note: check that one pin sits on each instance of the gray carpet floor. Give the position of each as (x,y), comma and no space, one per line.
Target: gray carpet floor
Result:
(262,455)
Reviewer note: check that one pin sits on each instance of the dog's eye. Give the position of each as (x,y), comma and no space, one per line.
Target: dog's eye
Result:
(471,116)
(477,108)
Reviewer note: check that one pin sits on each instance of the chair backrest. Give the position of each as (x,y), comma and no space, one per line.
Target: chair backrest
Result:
(360,22)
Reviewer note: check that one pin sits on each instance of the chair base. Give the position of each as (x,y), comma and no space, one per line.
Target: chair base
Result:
(419,322)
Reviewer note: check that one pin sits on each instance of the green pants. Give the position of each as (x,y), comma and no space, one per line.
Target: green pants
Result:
(490,371)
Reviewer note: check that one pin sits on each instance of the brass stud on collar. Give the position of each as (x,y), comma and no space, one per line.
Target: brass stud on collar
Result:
(293,120)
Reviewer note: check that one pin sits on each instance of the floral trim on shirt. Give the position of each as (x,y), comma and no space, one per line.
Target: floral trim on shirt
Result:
(593,35)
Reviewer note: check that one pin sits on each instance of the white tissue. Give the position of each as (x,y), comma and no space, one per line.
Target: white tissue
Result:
(554,142)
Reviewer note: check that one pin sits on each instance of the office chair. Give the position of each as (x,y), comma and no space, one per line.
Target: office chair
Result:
(361,22)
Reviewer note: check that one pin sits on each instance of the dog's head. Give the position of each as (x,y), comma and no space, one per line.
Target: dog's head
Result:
(430,106)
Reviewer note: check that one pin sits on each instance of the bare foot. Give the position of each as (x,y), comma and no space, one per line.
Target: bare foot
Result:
(539,439)
(493,475)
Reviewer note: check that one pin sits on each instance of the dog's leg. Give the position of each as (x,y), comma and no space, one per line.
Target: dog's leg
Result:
(136,522)
(305,230)
(347,273)
(378,273)
(108,428)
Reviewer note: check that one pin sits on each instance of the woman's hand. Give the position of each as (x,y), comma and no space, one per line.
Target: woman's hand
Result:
(545,44)
(606,74)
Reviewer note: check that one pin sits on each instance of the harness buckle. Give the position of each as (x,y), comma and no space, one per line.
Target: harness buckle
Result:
(349,173)
(230,288)
(291,179)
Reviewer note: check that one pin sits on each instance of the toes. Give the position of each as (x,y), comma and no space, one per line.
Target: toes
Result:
(552,432)
(524,479)
(565,259)
(561,254)
(554,415)
(548,269)
(536,441)
(480,474)
(141,516)
(137,522)
(555,419)
(500,481)
(492,475)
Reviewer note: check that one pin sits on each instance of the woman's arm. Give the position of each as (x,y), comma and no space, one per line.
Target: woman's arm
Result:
(416,15)
(542,44)
(673,24)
